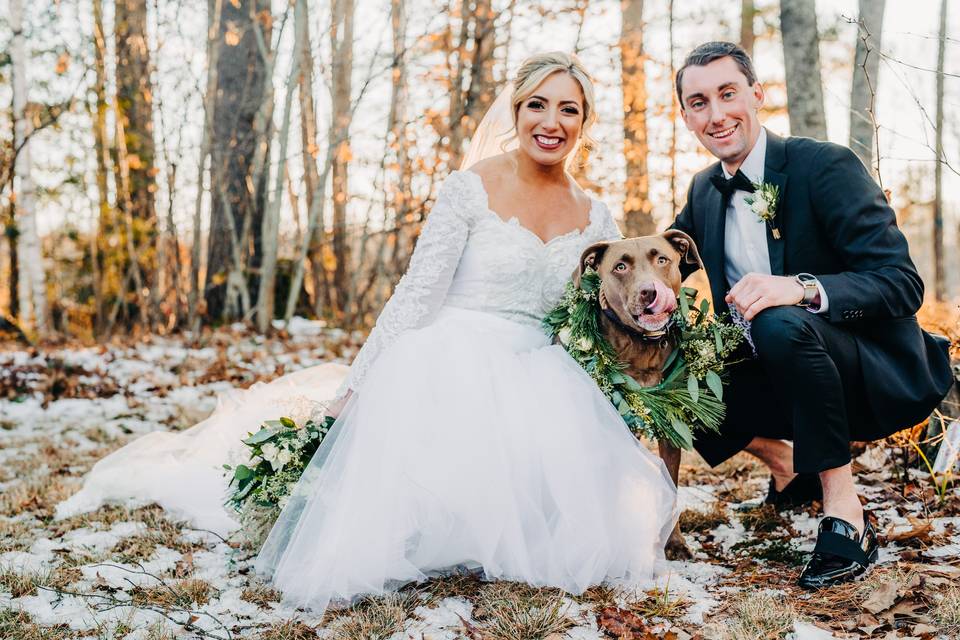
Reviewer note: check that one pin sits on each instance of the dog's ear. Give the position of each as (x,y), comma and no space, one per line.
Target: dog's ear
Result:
(590,257)
(684,245)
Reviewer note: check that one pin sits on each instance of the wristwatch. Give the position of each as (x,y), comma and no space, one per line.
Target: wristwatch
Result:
(810,288)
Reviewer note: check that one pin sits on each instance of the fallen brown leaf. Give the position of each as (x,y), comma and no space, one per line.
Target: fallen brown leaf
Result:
(882,598)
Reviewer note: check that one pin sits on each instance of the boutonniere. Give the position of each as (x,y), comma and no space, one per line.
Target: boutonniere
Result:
(763,202)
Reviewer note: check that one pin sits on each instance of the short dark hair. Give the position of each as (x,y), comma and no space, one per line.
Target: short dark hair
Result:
(710,51)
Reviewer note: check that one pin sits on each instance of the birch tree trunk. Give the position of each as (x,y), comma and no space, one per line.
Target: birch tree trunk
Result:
(31,285)
(309,149)
(341,44)
(271,219)
(135,109)
(637,209)
(940,276)
(866,70)
(801,56)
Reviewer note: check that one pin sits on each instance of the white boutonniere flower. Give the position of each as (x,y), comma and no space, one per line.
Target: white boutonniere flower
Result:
(763,202)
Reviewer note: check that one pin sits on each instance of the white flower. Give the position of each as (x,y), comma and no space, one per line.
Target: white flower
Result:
(585,343)
(270,452)
(760,208)
(565,334)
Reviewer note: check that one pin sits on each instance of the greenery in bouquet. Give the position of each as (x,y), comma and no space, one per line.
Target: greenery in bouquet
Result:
(690,396)
(279,453)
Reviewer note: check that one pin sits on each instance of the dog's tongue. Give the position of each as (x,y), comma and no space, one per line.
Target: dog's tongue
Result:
(665,302)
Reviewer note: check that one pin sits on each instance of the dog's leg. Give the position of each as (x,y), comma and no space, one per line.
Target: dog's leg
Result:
(676,548)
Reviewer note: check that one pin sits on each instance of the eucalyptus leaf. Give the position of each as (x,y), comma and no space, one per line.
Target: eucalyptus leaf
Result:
(682,431)
(715,384)
(693,386)
(265,434)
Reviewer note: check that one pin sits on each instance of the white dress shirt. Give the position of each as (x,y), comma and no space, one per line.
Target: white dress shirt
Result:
(745,234)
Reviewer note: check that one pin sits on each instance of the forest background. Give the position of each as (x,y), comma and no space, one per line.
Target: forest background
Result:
(170,165)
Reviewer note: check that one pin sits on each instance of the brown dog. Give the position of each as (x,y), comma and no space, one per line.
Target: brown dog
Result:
(640,281)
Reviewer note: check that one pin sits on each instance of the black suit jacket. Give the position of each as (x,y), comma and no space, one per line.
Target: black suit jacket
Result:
(836,223)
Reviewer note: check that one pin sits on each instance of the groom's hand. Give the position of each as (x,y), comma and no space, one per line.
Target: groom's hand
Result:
(756,292)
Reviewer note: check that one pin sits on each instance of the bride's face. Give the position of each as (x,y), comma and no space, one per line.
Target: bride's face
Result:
(550,120)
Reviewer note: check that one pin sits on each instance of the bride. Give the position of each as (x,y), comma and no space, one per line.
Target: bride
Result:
(464,439)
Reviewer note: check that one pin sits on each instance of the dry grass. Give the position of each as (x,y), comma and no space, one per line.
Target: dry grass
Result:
(660,603)
(260,595)
(39,496)
(695,520)
(946,611)
(456,585)
(758,616)
(21,584)
(288,630)
(15,535)
(17,625)
(136,548)
(763,519)
(179,595)
(510,610)
(376,618)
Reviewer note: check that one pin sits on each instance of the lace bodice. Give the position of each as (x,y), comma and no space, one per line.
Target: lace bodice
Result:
(469,257)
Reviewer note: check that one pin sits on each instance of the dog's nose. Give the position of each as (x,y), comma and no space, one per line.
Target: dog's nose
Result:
(648,295)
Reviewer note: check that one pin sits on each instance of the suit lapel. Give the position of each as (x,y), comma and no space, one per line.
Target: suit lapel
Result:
(714,252)
(776,158)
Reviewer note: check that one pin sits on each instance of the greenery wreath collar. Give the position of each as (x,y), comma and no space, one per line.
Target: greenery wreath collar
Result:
(690,396)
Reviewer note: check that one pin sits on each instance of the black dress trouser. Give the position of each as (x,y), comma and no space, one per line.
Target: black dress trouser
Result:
(805,385)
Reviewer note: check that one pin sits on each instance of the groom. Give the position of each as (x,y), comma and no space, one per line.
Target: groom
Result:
(814,264)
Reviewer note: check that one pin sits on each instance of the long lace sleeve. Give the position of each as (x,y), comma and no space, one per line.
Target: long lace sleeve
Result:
(423,288)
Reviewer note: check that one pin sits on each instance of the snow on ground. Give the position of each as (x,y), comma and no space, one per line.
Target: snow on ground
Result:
(133,573)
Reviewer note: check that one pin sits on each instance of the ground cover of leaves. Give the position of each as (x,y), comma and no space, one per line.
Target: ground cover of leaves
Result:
(131,572)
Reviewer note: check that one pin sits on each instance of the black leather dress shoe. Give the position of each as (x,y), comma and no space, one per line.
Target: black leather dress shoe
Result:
(801,491)
(841,553)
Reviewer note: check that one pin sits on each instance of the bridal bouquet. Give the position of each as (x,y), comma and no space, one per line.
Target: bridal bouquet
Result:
(690,396)
(279,452)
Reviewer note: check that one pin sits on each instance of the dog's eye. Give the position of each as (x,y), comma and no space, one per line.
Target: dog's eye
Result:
(662,260)
(620,266)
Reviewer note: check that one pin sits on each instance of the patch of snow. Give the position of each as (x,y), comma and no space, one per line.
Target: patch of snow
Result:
(806,631)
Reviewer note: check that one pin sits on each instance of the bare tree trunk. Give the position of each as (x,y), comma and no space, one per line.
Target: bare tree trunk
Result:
(196,299)
(271,220)
(309,152)
(341,41)
(399,193)
(747,37)
(31,286)
(108,275)
(236,192)
(473,67)
(940,276)
(801,55)
(135,109)
(637,209)
(866,71)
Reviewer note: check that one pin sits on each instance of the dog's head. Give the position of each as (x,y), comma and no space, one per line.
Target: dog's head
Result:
(640,276)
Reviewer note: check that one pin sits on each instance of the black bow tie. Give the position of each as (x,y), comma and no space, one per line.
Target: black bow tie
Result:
(739,181)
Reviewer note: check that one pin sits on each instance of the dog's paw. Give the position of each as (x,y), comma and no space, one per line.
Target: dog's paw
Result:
(676,548)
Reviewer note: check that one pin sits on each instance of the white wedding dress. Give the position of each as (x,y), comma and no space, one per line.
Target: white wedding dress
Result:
(469,442)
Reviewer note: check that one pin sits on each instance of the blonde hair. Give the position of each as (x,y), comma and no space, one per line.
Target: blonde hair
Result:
(537,68)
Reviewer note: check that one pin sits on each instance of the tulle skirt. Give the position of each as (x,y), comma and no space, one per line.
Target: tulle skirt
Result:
(183,471)
(472,444)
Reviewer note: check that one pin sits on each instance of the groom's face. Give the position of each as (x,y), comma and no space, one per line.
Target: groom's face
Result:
(720,108)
